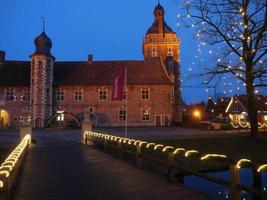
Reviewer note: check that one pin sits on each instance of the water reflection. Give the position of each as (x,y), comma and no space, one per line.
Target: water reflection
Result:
(220,192)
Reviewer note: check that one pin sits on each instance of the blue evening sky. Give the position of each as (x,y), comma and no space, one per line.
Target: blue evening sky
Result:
(110,30)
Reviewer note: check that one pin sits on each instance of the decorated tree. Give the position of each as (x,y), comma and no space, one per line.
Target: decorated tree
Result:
(238,28)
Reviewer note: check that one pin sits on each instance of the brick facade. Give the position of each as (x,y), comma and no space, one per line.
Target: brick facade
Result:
(43,88)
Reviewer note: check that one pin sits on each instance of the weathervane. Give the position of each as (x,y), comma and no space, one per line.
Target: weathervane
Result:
(43,21)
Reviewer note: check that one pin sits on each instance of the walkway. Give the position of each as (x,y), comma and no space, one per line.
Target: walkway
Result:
(65,170)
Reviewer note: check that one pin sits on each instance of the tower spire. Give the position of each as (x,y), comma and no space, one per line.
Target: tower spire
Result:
(43,22)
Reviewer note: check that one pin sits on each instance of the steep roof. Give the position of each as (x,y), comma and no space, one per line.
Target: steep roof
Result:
(15,73)
(260,101)
(151,71)
(154,29)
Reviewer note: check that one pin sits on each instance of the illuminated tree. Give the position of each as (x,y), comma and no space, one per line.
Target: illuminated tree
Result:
(238,28)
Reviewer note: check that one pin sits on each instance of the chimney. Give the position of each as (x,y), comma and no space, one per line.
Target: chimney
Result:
(90,58)
(2,57)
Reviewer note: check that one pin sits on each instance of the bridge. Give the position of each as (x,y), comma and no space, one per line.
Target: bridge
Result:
(63,169)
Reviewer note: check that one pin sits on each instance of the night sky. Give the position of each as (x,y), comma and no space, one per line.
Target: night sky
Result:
(110,30)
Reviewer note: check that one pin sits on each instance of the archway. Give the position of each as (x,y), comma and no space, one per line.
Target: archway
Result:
(4,119)
(63,120)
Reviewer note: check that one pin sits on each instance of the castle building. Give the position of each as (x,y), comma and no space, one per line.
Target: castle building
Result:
(48,93)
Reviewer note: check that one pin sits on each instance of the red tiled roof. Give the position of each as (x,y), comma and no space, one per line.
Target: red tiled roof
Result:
(260,101)
(104,72)
(151,71)
(15,73)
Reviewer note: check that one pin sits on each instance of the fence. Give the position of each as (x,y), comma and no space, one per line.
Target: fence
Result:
(117,143)
(9,168)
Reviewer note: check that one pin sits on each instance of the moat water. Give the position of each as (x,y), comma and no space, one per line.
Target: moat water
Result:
(221,192)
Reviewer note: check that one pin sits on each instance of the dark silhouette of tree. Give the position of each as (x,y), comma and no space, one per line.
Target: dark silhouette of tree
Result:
(239,29)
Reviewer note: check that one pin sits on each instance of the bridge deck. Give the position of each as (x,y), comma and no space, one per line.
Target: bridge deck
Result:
(81,172)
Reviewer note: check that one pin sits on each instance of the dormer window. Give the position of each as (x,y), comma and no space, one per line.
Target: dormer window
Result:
(154,52)
(170,53)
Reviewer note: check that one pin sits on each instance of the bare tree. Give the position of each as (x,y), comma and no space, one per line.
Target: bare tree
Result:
(239,27)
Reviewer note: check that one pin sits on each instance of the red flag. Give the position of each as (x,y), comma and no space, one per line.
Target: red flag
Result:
(118,85)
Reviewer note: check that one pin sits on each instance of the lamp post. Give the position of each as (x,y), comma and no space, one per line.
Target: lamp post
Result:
(197,115)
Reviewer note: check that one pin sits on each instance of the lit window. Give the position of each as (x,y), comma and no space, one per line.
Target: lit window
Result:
(10,94)
(145,115)
(102,95)
(265,118)
(60,95)
(170,53)
(145,94)
(154,52)
(124,95)
(122,115)
(27,95)
(78,95)
(60,117)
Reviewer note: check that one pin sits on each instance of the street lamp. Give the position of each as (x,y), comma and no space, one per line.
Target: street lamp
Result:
(197,114)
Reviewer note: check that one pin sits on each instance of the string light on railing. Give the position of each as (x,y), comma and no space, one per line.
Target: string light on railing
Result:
(190,152)
(5,173)
(150,144)
(262,167)
(241,161)
(177,150)
(7,167)
(141,143)
(137,141)
(158,146)
(131,141)
(212,156)
(167,148)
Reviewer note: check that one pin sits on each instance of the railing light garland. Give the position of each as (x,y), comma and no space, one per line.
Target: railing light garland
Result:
(177,150)
(167,148)
(11,161)
(190,152)
(262,167)
(7,165)
(158,146)
(150,145)
(241,161)
(212,156)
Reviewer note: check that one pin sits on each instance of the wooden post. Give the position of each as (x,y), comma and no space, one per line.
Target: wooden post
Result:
(257,183)
(234,182)
(171,163)
(119,149)
(138,156)
(105,144)
(86,126)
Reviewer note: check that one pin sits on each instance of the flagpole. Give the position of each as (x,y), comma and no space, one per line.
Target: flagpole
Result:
(126,104)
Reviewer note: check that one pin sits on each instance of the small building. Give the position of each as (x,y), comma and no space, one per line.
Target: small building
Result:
(237,108)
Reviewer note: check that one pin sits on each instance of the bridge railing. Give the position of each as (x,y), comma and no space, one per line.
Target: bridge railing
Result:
(139,147)
(9,168)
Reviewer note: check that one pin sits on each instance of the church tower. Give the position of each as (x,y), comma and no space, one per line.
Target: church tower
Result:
(161,41)
(42,63)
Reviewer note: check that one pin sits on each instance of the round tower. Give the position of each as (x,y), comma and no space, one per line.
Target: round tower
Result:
(42,62)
